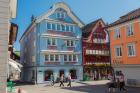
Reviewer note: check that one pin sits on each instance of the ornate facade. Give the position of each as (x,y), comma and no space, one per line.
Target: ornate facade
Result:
(96,56)
(52,45)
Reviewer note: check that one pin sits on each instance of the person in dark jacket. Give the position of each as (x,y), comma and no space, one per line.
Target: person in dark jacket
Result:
(62,80)
(69,80)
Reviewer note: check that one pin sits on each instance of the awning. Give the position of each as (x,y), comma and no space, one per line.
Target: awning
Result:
(15,64)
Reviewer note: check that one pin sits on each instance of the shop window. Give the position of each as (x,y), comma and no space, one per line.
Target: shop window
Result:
(47,75)
(73,74)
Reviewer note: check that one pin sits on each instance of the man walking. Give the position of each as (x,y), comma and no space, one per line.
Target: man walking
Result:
(52,79)
(122,82)
(69,80)
(62,80)
(111,84)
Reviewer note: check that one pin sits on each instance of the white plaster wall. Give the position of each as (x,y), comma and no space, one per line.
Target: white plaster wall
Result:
(130,72)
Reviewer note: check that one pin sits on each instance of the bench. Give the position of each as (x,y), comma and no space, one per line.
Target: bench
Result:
(132,82)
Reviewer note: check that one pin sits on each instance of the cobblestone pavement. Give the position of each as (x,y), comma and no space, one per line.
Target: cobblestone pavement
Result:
(77,87)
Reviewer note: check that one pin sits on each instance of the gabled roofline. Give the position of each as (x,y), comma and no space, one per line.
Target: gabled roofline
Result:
(65,7)
(30,25)
(50,11)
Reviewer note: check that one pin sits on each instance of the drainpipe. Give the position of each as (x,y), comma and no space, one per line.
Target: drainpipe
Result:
(110,56)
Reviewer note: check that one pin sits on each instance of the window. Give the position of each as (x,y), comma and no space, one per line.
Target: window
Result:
(49,26)
(56,58)
(71,28)
(58,27)
(131,50)
(70,43)
(129,30)
(63,27)
(52,58)
(74,58)
(67,28)
(51,41)
(46,57)
(53,26)
(60,14)
(118,51)
(117,33)
(70,58)
(65,57)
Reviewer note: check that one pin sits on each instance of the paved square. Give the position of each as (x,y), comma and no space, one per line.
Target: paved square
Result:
(77,87)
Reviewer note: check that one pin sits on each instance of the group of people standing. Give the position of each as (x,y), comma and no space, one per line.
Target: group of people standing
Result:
(116,82)
(62,79)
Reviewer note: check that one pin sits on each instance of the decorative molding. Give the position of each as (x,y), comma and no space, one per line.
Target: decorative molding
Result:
(63,6)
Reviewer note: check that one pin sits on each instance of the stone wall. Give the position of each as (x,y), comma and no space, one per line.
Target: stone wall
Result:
(4,28)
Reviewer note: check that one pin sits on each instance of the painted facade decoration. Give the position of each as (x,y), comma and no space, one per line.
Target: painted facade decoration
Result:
(96,55)
(52,45)
(125,46)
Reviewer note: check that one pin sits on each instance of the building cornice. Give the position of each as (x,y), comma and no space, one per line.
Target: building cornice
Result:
(59,36)
(126,65)
(58,52)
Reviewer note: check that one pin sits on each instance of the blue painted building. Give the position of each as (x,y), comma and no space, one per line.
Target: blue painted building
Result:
(52,45)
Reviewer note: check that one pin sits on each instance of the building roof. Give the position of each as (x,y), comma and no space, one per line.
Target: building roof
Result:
(127,17)
(88,28)
(13,33)
(52,10)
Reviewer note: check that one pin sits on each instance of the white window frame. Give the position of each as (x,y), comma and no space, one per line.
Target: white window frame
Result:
(67,57)
(50,26)
(60,12)
(54,58)
(51,39)
(134,51)
(129,32)
(70,45)
(120,51)
(60,27)
(117,33)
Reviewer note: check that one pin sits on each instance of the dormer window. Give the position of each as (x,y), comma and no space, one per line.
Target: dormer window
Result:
(60,14)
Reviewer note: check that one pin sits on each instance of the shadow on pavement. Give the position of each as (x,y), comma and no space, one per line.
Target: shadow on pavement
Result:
(89,88)
(99,89)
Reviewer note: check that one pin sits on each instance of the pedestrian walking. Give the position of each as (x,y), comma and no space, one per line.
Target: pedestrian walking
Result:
(122,82)
(111,84)
(69,80)
(52,79)
(62,80)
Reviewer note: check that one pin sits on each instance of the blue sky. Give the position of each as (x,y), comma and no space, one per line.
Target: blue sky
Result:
(86,10)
